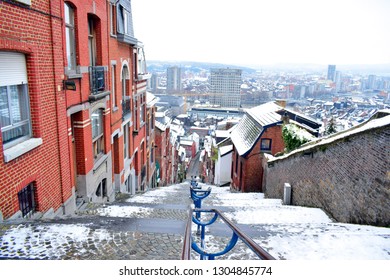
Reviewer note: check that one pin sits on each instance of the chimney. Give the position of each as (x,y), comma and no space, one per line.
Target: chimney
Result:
(285,118)
(281,102)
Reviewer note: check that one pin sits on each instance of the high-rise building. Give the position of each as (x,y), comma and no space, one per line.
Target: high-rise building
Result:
(371,82)
(332,72)
(174,79)
(225,87)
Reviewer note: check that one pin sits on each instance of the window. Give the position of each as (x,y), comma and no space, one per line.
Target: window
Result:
(70,37)
(141,63)
(97,133)
(26,199)
(112,19)
(92,41)
(142,113)
(265,144)
(14,100)
(113,83)
(126,141)
(136,125)
(126,109)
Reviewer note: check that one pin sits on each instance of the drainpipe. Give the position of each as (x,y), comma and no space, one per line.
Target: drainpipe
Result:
(57,92)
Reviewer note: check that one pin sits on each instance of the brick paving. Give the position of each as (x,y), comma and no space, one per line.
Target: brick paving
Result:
(151,226)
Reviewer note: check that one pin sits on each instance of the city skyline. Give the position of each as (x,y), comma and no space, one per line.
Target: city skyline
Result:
(264,32)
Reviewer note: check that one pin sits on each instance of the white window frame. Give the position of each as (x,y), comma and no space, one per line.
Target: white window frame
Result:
(70,37)
(126,141)
(97,133)
(113,84)
(16,125)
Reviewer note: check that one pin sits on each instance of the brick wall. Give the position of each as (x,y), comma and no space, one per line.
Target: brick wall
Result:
(349,178)
(33,33)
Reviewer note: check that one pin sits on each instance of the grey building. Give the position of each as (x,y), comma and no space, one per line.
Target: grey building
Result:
(174,79)
(225,87)
(332,72)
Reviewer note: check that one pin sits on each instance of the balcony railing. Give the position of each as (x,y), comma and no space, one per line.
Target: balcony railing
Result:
(97,79)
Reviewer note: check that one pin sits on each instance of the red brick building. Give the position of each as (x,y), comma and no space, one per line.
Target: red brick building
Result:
(72,105)
(34,151)
(162,153)
(259,132)
(128,79)
(150,140)
(88,103)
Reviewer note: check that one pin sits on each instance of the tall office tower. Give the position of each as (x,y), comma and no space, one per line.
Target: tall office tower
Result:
(332,72)
(225,87)
(174,79)
(371,82)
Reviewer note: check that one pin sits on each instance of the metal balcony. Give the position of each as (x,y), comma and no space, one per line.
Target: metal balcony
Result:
(98,82)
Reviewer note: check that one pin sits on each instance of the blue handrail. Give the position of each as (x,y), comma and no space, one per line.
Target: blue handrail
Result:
(197,195)
(237,234)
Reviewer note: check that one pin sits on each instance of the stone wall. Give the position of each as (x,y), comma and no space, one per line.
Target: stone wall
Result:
(349,178)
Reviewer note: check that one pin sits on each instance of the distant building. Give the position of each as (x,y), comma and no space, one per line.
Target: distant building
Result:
(371,82)
(332,73)
(174,79)
(153,83)
(173,103)
(225,87)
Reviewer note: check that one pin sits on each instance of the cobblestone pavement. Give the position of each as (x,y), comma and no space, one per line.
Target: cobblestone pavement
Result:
(150,226)
(151,229)
(155,234)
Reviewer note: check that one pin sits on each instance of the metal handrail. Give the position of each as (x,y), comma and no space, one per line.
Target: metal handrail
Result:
(237,233)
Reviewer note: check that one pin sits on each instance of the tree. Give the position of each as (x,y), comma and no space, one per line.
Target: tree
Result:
(294,137)
(331,127)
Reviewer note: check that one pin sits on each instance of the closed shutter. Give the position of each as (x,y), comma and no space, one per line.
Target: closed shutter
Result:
(13,69)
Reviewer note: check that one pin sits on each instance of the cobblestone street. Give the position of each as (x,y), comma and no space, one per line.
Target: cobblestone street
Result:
(151,226)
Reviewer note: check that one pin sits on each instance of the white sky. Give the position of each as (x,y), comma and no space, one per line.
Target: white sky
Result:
(259,32)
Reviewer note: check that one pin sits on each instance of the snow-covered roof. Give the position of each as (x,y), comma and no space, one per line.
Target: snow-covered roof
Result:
(245,134)
(225,150)
(160,126)
(222,133)
(186,142)
(151,99)
(251,126)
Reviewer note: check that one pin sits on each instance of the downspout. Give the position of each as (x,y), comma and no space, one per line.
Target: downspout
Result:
(57,104)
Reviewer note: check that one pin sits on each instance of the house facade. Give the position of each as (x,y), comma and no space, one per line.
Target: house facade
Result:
(259,132)
(128,78)
(34,151)
(73,106)
(86,64)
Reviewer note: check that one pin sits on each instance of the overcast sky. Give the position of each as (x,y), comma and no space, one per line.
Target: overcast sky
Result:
(259,32)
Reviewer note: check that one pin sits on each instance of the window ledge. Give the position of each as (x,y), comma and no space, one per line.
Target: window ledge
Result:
(22,148)
(74,75)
